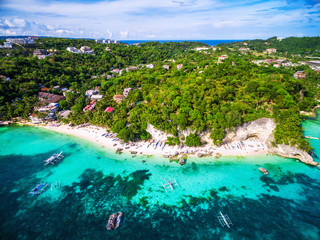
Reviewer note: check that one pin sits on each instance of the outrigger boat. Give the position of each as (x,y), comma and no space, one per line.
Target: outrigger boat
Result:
(38,189)
(114,220)
(54,158)
(224,220)
(170,184)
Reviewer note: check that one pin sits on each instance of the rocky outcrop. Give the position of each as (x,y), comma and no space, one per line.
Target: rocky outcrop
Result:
(292,152)
(263,130)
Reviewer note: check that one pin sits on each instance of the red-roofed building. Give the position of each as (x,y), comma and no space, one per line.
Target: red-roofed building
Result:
(49,98)
(90,106)
(44,89)
(109,109)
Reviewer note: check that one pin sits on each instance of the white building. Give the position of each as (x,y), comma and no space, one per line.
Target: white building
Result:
(96,96)
(149,66)
(51,108)
(126,91)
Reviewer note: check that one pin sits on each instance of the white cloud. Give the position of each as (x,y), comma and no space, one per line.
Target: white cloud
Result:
(165,19)
(124,34)
(109,33)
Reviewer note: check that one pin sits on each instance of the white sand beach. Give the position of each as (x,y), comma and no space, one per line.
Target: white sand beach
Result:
(157,146)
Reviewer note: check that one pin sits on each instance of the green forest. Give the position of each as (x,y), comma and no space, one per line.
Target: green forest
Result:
(203,95)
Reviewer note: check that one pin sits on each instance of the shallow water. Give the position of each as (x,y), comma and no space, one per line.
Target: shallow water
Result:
(95,182)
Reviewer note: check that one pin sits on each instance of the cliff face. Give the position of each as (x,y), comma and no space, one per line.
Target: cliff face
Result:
(263,130)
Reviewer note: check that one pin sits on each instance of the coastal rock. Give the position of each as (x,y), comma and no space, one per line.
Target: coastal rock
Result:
(175,154)
(166,156)
(133,152)
(182,161)
(292,152)
(261,128)
(200,155)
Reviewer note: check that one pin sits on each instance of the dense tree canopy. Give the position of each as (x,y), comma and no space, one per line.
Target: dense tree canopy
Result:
(203,95)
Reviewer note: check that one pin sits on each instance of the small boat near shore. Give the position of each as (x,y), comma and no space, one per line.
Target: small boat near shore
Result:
(114,221)
(54,158)
(263,170)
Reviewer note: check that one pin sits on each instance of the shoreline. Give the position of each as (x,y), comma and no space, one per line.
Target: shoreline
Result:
(95,134)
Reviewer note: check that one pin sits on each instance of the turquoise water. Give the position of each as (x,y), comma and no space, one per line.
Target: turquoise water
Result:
(95,182)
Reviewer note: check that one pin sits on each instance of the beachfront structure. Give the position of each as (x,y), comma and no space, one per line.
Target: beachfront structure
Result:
(179,66)
(166,67)
(271,50)
(51,108)
(126,91)
(118,98)
(109,109)
(49,98)
(149,66)
(64,113)
(299,75)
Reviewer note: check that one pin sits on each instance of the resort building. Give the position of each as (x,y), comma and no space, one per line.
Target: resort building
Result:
(96,96)
(126,91)
(299,75)
(86,50)
(166,67)
(131,69)
(64,113)
(149,66)
(49,98)
(83,49)
(91,92)
(271,50)
(201,48)
(21,41)
(90,106)
(179,66)
(222,57)
(51,108)
(243,49)
(118,98)
(109,109)
(6,45)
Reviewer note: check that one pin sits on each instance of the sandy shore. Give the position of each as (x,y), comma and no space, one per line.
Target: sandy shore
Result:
(155,146)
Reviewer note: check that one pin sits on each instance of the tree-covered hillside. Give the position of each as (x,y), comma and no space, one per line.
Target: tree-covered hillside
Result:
(204,95)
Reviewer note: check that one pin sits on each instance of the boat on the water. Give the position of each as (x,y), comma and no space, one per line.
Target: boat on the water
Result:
(263,170)
(38,189)
(54,158)
(114,220)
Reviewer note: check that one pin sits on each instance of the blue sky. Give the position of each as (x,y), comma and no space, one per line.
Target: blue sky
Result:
(161,19)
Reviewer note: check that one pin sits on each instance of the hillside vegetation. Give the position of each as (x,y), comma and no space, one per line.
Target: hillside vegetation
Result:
(204,95)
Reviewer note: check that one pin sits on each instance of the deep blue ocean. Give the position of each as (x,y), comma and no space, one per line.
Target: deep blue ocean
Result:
(209,42)
(92,182)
